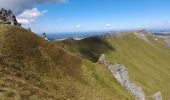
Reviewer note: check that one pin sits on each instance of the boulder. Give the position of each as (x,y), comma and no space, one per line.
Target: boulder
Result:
(102,60)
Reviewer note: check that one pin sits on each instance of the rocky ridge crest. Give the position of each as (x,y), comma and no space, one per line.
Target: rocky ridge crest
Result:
(7,17)
(120,72)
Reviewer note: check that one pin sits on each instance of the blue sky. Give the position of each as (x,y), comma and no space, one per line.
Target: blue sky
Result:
(98,15)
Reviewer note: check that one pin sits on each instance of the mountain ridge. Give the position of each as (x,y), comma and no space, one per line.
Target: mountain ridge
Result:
(145,57)
(28,63)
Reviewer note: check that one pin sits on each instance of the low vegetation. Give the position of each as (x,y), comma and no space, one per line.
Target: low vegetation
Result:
(32,68)
(147,61)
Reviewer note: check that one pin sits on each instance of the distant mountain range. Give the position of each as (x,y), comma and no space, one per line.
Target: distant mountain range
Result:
(81,35)
(76,35)
(162,34)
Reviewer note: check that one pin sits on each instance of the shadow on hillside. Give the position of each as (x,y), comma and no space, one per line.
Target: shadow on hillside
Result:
(92,48)
(89,48)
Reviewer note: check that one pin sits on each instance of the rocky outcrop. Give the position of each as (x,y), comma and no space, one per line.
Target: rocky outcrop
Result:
(120,72)
(7,17)
(143,35)
(167,42)
(103,60)
(157,96)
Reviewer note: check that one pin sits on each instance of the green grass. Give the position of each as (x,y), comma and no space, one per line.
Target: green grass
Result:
(89,48)
(36,69)
(98,84)
(148,62)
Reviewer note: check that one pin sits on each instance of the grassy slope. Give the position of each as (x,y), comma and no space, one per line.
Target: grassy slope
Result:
(28,63)
(90,48)
(148,63)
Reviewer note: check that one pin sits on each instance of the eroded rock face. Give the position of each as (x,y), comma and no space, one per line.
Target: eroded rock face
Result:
(7,17)
(120,72)
(157,96)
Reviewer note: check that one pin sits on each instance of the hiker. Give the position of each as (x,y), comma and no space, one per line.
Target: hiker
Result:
(45,37)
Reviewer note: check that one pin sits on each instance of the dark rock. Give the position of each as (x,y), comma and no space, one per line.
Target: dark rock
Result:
(7,17)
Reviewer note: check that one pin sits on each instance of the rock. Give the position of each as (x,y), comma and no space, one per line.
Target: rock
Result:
(143,35)
(167,42)
(7,17)
(121,74)
(157,96)
(102,60)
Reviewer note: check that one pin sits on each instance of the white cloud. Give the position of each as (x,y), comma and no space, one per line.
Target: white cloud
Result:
(78,26)
(108,25)
(29,16)
(44,11)
(18,6)
(105,26)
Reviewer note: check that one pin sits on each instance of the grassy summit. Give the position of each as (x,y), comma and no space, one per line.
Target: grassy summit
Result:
(147,61)
(32,68)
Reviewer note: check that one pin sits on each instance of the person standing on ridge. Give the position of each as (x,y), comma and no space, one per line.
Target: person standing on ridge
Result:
(45,37)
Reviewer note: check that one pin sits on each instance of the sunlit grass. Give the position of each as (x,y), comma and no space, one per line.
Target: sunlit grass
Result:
(148,62)
(38,69)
